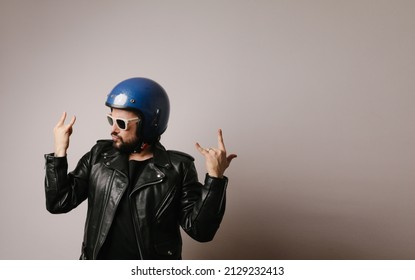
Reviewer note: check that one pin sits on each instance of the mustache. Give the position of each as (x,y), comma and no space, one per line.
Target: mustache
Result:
(114,134)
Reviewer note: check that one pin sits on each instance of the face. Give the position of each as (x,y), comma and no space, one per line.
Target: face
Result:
(124,140)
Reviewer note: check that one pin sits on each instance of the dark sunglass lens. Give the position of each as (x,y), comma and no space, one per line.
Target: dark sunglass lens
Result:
(121,124)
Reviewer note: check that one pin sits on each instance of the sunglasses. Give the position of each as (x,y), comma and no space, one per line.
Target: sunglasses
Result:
(121,123)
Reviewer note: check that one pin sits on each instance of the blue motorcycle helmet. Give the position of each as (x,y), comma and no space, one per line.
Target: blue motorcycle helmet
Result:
(146,98)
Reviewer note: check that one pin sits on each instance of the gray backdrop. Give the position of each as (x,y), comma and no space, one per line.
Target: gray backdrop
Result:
(316,98)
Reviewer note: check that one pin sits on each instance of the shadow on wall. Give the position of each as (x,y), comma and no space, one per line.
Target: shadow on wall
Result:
(272,237)
(262,225)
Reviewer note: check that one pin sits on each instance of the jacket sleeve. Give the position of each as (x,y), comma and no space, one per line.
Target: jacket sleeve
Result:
(203,205)
(65,191)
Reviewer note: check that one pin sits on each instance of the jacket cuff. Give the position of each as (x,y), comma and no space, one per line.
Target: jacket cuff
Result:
(56,167)
(216,193)
(215,182)
(216,187)
(55,161)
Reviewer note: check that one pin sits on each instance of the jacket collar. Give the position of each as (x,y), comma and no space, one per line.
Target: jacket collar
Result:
(161,157)
(119,161)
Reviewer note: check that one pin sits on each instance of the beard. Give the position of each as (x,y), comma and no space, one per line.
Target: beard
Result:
(126,147)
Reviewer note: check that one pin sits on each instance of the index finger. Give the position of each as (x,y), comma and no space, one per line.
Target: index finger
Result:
(62,119)
(201,149)
(221,144)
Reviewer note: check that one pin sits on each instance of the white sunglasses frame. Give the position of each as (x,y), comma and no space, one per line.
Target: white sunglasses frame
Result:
(126,121)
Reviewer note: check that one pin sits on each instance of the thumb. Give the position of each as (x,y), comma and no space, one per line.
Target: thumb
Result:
(231,157)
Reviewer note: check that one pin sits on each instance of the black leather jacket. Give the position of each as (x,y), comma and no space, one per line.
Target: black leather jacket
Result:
(167,195)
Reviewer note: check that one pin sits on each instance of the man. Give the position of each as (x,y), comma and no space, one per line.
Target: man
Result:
(138,193)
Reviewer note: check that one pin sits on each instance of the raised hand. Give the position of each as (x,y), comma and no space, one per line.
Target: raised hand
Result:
(62,133)
(216,159)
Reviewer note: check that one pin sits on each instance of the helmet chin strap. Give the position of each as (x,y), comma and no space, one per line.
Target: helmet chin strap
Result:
(140,147)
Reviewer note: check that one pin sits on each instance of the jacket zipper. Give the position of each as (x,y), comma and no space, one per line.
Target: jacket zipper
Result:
(135,217)
(107,196)
(168,197)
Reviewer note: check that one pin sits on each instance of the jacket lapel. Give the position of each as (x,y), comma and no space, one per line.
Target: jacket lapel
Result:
(116,160)
(151,174)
